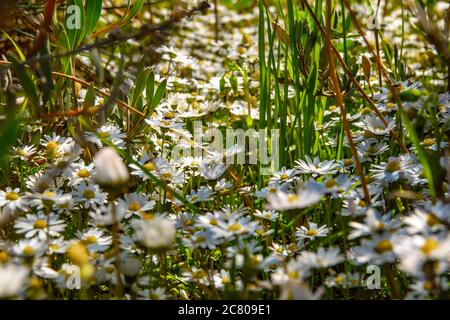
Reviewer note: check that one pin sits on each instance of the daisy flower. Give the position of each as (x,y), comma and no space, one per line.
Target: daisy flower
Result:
(11,200)
(288,201)
(89,196)
(78,172)
(24,153)
(323,258)
(374,125)
(28,248)
(311,232)
(13,279)
(108,131)
(202,239)
(40,225)
(374,222)
(378,250)
(136,204)
(95,239)
(270,215)
(316,168)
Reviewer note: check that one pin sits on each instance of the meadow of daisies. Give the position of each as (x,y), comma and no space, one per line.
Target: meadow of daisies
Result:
(112,184)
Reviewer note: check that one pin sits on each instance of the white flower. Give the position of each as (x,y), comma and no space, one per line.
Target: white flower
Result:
(311,232)
(12,280)
(110,132)
(95,240)
(137,204)
(40,225)
(373,222)
(11,200)
(373,124)
(79,172)
(287,201)
(109,168)
(89,195)
(323,258)
(24,153)
(157,234)
(212,170)
(378,250)
(316,167)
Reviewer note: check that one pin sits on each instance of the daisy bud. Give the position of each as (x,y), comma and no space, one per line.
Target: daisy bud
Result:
(157,234)
(131,267)
(109,168)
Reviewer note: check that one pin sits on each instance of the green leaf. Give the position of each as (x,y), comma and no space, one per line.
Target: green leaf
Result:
(28,85)
(137,6)
(19,51)
(10,129)
(150,89)
(139,86)
(159,94)
(93,12)
(89,99)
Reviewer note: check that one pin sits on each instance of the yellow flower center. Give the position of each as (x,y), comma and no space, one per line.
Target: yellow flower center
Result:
(78,253)
(267,215)
(432,220)
(383,246)
(429,142)
(330,184)
(54,246)
(293,275)
(148,216)
(234,227)
(134,206)
(284,176)
(390,105)
(226,280)
(429,245)
(372,149)
(200,239)
(169,115)
(213,222)
(292,198)
(52,145)
(154,296)
(332,108)
(28,250)
(21,153)
(103,135)
(311,232)
(12,196)
(91,239)
(52,149)
(40,224)
(348,162)
(4,257)
(339,279)
(362,204)
(49,194)
(428,285)
(366,110)
(150,166)
(392,166)
(167,175)
(89,194)
(83,173)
